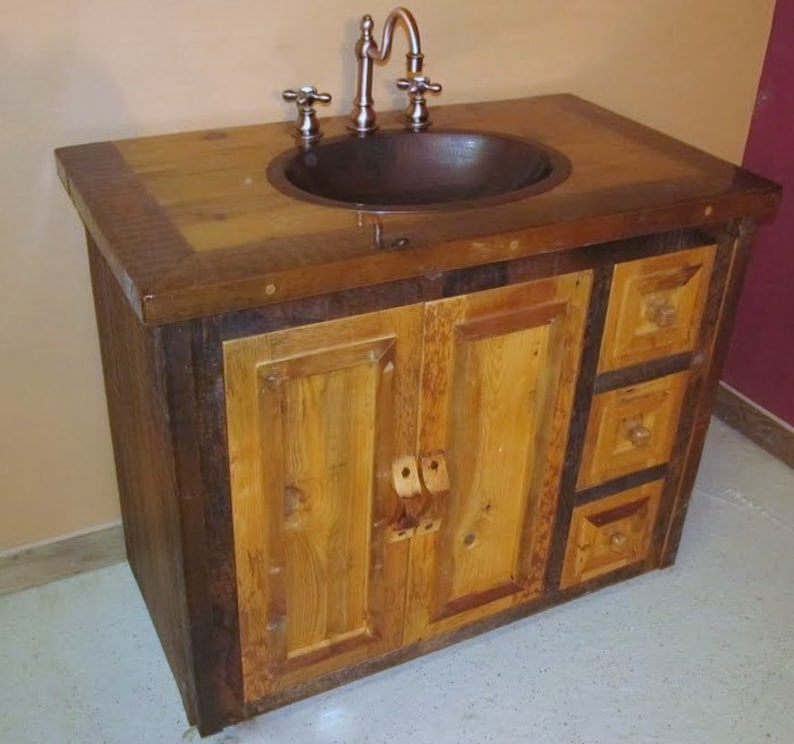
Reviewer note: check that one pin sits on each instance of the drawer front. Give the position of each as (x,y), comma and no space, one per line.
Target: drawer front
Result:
(631,428)
(655,307)
(610,533)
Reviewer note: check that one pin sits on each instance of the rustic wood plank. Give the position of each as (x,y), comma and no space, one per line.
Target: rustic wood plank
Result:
(642,372)
(580,413)
(135,384)
(452,283)
(306,408)
(438,641)
(500,373)
(730,266)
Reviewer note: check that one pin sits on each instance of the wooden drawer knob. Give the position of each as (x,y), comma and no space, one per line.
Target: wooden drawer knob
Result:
(660,311)
(640,436)
(636,433)
(618,540)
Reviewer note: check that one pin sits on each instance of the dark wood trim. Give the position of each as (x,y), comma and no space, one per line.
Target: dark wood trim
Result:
(133,365)
(757,424)
(594,330)
(194,373)
(309,310)
(637,373)
(34,565)
(733,254)
(624,483)
(688,444)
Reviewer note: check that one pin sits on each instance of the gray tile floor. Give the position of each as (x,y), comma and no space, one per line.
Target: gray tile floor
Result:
(700,653)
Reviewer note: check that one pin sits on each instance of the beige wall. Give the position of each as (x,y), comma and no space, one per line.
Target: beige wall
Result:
(86,70)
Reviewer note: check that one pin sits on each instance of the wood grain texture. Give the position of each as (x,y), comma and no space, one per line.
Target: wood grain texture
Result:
(439,641)
(498,379)
(314,417)
(194,372)
(643,372)
(190,225)
(133,365)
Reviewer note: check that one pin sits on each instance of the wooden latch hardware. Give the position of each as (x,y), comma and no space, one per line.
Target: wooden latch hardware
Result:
(434,472)
(415,503)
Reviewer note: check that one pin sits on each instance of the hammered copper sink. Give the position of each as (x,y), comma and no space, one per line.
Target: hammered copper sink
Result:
(403,171)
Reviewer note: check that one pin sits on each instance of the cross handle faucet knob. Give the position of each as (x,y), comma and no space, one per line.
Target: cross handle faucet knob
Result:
(306,95)
(418,85)
(416,115)
(307,128)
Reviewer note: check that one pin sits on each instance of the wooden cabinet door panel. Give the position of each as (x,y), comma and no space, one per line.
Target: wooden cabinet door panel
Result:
(314,415)
(497,381)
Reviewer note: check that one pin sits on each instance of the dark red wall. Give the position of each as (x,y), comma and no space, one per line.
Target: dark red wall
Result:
(761,355)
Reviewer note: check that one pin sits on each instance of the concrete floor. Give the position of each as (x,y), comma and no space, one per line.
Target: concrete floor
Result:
(702,653)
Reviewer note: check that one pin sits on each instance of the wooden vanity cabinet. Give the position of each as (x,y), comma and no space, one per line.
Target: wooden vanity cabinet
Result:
(344,440)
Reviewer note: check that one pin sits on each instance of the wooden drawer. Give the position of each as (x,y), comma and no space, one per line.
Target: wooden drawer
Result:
(631,428)
(610,533)
(655,307)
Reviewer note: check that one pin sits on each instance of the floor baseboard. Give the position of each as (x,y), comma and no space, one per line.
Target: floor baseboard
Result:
(756,423)
(40,564)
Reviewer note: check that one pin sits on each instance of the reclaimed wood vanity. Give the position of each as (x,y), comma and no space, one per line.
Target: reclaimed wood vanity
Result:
(344,439)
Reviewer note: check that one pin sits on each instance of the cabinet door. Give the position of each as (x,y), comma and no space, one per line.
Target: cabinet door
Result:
(499,371)
(314,415)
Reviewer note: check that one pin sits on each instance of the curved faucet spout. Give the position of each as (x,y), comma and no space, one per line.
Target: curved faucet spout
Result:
(362,118)
(414,57)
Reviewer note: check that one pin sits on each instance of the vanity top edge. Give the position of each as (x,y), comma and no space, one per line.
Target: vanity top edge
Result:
(190,226)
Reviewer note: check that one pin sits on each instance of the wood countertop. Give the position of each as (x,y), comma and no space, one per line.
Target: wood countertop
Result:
(190,225)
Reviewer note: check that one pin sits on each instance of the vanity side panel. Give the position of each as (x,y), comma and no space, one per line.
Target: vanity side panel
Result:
(133,361)
(733,254)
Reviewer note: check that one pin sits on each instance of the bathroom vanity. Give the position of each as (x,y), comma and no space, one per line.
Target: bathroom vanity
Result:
(347,437)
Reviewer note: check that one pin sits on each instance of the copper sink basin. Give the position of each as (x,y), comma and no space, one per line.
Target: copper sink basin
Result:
(400,171)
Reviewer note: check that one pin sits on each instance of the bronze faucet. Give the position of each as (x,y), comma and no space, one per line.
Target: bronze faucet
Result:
(362,118)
